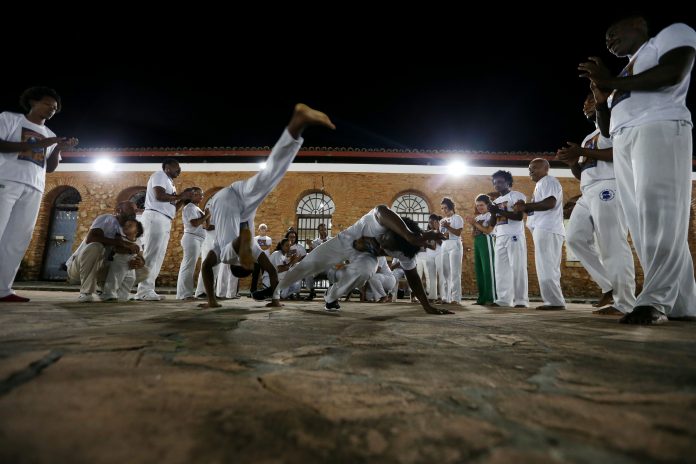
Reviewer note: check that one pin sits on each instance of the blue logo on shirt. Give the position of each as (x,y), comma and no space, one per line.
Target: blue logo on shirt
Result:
(607,195)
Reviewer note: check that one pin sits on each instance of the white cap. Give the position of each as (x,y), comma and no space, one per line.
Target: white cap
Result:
(263,226)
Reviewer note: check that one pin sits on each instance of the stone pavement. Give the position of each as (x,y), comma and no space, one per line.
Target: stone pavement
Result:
(166,382)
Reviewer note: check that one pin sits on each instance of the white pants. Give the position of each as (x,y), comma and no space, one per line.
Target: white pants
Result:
(381,284)
(452,252)
(511,270)
(431,268)
(443,284)
(334,251)
(608,259)
(120,278)
(294,287)
(156,238)
(88,268)
(227,284)
(192,245)
(548,248)
(653,174)
(239,202)
(19,207)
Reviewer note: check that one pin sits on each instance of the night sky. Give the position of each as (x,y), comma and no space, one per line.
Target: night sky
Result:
(430,81)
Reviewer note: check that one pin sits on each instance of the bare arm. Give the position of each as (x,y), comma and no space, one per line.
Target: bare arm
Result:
(543,205)
(201,220)
(266,265)
(482,228)
(13,147)
(389,219)
(209,280)
(97,236)
(604,154)
(416,285)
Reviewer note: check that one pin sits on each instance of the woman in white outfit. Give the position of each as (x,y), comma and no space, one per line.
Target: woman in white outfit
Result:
(283,259)
(191,242)
(451,226)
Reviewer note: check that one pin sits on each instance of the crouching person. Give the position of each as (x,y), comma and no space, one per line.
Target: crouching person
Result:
(88,265)
(125,268)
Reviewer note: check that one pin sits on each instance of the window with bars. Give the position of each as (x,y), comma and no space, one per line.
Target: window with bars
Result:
(312,210)
(414,207)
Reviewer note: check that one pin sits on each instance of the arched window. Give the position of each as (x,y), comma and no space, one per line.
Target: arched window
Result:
(312,210)
(414,207)
(139,199)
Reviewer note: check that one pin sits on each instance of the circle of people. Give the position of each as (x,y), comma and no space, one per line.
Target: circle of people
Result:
(634,170)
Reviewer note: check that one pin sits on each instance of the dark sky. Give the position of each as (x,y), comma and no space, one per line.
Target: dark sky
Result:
(429,80)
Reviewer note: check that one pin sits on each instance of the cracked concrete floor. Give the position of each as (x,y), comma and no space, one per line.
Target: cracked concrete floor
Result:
(164,382)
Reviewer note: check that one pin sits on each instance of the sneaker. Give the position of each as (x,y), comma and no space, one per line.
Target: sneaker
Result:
(13,298)
(153,297)
(332,307)
(85,298)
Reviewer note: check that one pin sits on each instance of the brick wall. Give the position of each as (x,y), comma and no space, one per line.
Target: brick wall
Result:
(353,194)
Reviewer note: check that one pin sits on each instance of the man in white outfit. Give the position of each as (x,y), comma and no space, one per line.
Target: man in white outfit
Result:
(598,213)
(161,205)
(381,227)
(545,220)
(650,126)
(28,150)
(88,265)
(510,244)
(235,206)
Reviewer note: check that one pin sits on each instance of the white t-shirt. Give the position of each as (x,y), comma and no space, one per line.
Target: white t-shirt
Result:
(635,108)
(318,241)
(160,179)
(505,226)
(229,256)
(485,220)
(110,228)
(29,166)
(593,170)
(277,258)
(192,211)
(367,226)
(299,249)
(550,220)
(264,240)
(456,222)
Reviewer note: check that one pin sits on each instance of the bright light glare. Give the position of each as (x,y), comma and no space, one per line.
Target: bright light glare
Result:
(103,166)
(456,168)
